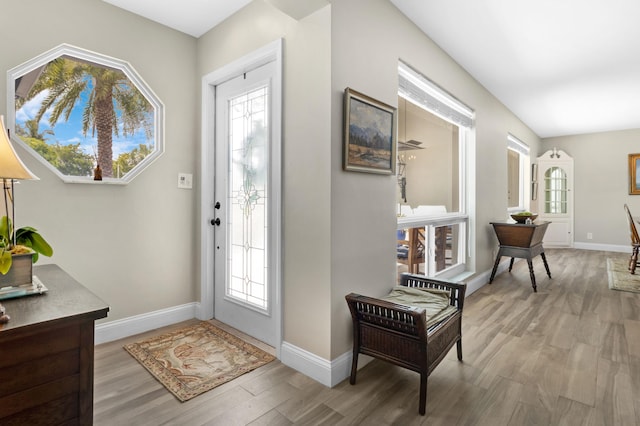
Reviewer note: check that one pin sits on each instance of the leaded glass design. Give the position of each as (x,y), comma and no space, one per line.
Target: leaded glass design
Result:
(248,180)
(555,191)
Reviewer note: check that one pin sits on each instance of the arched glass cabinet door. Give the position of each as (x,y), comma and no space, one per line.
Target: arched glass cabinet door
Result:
(555,191)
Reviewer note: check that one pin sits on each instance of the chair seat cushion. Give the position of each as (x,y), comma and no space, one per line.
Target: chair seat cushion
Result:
(434,301)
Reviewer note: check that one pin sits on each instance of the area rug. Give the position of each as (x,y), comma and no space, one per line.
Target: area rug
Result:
(620,278)
(197,358)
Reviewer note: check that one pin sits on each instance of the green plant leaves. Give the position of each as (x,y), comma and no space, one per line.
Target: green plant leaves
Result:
(30,237)
(5,230)
(5,262)
(26,236)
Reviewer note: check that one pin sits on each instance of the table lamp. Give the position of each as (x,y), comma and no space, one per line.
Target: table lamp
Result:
(11,169)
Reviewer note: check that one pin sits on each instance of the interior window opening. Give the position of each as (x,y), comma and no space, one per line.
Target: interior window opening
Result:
(433,133)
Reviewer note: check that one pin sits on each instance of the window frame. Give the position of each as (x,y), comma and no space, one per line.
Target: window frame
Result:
(522,149)
(81,54)
(428,95)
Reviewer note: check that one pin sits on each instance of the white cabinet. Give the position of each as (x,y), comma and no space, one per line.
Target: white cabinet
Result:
(555,197)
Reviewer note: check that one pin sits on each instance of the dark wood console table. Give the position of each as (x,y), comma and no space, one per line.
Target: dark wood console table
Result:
(46,353)
(521,241)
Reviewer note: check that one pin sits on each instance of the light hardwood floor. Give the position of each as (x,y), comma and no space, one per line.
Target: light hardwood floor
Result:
(567,355)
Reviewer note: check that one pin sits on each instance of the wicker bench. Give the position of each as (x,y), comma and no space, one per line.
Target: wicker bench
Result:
(399,334)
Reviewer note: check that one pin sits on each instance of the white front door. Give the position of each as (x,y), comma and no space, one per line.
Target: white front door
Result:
(555,180)
(245,208)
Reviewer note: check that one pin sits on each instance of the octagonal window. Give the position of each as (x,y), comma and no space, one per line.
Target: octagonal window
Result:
(86,116)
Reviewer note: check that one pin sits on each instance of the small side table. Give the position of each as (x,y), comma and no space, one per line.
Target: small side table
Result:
(521,241)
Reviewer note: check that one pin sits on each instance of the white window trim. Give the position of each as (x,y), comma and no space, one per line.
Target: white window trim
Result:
(98,58)
(418,89)
(516,145)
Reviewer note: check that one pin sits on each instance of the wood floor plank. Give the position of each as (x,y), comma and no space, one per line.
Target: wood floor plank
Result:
(614,343)
(571,413)
(579,378)
(615,402)
(529,415)
(271,418)
(496,406)
(632,334)
(547,378)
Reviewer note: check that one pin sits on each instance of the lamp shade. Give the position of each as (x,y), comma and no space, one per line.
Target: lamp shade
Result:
(11,166)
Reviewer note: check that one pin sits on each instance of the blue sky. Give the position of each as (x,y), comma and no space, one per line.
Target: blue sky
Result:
(71,132)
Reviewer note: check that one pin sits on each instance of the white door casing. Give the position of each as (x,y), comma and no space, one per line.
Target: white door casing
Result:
(270,54)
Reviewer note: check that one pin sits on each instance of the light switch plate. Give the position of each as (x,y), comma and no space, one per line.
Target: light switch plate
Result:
(185,180)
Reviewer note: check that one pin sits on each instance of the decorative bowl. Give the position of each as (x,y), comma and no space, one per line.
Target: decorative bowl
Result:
(522,218)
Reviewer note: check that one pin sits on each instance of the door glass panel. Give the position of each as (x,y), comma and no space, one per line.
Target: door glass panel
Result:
(248,266)
(555,191)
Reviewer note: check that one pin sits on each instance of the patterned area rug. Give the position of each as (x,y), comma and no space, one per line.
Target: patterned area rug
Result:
(196,359)
(620,278)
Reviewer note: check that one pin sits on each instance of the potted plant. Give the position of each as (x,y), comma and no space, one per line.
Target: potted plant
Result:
(18,251)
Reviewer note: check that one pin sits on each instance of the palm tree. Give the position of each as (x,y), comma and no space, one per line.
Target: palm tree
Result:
(31,129)
(110,102)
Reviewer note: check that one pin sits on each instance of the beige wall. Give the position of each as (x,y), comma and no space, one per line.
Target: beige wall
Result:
(134,246)
(601,180)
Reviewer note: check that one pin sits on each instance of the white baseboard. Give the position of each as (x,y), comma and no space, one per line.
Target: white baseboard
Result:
(481,279)
(328,373)
(602,247)
(118,329)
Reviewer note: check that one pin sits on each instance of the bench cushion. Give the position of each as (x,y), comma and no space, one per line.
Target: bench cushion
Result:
(434,301)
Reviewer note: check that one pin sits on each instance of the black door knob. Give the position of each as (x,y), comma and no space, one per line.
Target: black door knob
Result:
(215,221)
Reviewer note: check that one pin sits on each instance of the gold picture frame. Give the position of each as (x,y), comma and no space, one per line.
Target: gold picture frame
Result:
(634,174)
(369,134)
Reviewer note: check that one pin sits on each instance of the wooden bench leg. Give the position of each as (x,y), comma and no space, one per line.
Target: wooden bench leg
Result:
(354,368)
(459,347)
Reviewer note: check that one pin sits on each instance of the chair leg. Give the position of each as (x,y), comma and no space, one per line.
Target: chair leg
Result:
(423,394)
(634,260)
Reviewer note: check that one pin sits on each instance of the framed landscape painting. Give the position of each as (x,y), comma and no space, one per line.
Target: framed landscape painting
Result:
(369,134)
(634,174)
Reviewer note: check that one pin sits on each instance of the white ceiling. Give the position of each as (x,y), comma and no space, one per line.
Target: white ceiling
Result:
(562,66)
(193,17)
